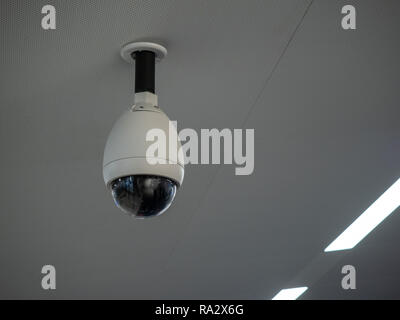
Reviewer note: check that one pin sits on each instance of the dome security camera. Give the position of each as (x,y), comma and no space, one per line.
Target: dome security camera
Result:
(140,187)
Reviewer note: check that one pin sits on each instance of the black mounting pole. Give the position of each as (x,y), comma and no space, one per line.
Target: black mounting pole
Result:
(144,71)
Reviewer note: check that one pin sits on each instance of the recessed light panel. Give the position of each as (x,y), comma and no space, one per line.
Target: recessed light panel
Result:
(290,294)
(368,220)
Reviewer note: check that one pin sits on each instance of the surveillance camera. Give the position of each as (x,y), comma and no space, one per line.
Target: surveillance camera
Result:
(142,186)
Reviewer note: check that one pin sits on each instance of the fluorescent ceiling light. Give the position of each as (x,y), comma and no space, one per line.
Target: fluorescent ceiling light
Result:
(369,219)
(290,294)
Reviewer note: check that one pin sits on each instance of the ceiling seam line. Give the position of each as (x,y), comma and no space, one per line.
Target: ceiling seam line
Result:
(247,116)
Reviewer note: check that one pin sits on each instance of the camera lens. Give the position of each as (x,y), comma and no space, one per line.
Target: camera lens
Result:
(143,195)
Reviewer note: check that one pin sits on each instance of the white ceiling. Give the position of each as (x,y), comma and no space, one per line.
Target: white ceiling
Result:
(324,104)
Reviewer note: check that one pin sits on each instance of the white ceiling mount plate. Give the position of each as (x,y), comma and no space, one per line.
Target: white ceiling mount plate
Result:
(129,48)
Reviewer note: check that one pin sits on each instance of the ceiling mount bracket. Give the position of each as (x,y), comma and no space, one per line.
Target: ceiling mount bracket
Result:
(128,50)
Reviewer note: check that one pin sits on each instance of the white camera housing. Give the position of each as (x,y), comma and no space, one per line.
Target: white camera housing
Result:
(143,164)
(126,146)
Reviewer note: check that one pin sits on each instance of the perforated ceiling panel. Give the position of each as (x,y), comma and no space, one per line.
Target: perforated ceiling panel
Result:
(324,104)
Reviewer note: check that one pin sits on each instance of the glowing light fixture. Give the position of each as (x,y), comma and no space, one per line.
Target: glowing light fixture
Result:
(290,294)
(368,220)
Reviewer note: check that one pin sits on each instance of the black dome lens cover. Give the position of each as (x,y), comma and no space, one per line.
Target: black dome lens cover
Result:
(143,195)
